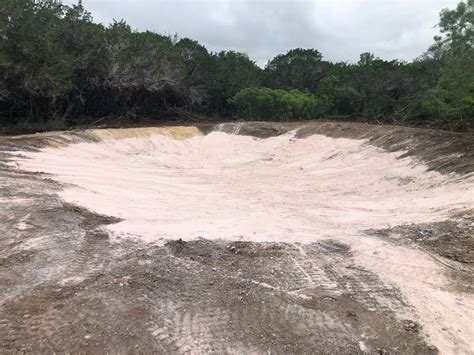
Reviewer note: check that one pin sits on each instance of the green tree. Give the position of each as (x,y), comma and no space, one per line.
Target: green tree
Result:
(33,52)
(199,66)
(46,48)
(453,97)
(297,69)
(341,97)
(456,28)
(232,72)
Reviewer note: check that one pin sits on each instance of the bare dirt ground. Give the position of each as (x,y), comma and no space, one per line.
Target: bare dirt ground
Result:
(390,277)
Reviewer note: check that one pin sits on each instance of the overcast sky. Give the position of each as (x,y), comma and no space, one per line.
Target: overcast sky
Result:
(339,29)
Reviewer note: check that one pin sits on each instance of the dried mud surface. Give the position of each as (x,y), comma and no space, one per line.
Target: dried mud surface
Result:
(66,287)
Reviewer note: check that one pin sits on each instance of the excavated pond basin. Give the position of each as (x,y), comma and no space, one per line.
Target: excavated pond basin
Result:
(183,184)
(178,184)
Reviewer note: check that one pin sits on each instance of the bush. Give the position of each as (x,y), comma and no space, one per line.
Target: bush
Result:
(266,104)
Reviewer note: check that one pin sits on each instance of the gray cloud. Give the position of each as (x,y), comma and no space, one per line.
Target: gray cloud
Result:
(340,29)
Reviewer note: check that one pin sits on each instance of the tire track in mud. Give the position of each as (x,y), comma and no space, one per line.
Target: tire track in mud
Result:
(275,312)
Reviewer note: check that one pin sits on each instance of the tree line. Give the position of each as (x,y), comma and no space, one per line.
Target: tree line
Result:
(59,68)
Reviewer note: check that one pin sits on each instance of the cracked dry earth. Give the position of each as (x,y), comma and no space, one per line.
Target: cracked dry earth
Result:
(309,237)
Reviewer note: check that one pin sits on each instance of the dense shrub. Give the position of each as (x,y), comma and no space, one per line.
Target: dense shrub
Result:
(274,104)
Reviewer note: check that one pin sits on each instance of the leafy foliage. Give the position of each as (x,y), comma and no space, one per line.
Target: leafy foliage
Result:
(232,72)
(59,67)
(298,69)
(265,103)
(452,98)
